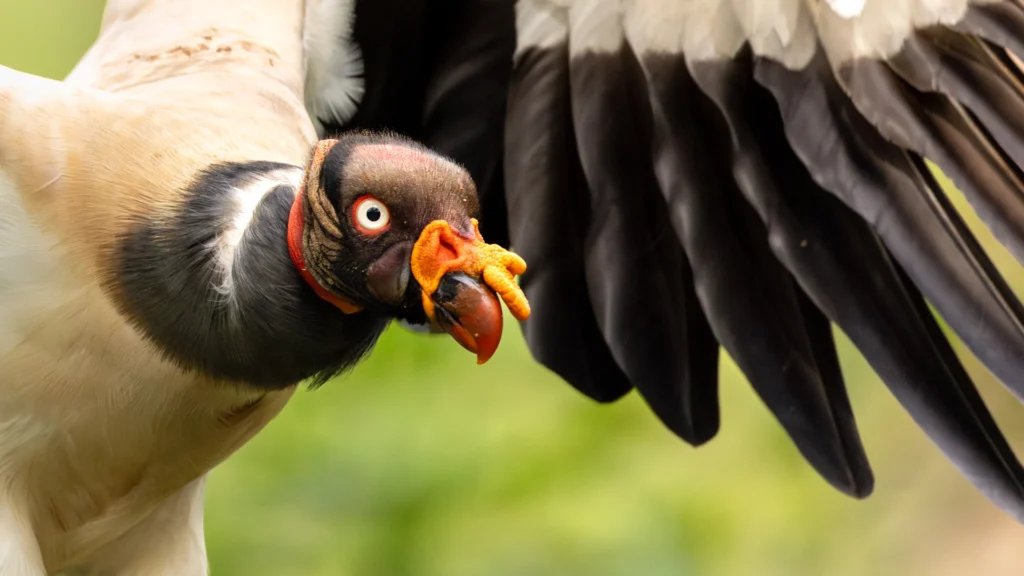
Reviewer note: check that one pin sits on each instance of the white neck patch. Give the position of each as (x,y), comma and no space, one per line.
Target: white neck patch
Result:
(246,198)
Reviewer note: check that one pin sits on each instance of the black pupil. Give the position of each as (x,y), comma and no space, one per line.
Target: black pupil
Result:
(373,214)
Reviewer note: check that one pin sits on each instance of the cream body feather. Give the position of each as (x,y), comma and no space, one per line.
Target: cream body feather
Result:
(103,443)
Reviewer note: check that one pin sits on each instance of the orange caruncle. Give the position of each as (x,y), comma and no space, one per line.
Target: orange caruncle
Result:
(440,250)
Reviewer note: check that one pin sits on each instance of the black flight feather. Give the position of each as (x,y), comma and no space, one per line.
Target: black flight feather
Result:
(463,115)
(896,195)
(637,273)
(548,208)
(930,124)
(750,301)
(944,131)
(390,35)
(1000,23)
(810,401)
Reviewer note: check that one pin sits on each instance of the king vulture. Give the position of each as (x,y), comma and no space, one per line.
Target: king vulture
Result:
(228,197)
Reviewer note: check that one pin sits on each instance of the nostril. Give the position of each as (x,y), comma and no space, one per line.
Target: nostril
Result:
(446,250)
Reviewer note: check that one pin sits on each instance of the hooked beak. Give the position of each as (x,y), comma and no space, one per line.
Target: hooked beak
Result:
(470,312)
(461,279)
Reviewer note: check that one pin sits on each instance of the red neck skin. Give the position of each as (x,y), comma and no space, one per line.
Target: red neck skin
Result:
(296,225)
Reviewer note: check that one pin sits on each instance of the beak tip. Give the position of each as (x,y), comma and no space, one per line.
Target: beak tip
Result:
(487,350)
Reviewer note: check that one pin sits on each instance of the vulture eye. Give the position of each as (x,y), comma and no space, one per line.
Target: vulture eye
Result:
(371,215)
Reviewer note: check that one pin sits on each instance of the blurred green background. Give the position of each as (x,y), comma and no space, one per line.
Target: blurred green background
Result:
(421,463)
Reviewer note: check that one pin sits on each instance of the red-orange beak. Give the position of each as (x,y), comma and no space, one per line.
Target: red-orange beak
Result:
(461,279)
(470,312)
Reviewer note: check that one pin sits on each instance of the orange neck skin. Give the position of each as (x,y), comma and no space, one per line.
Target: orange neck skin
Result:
(296,224)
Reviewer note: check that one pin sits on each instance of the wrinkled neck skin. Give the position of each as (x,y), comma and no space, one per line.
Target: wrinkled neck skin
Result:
(215,287)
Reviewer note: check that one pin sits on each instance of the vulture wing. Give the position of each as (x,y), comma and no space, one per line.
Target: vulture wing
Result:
(684,174)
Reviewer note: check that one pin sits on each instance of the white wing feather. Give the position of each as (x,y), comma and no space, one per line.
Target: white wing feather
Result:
(334,63)
(788,31)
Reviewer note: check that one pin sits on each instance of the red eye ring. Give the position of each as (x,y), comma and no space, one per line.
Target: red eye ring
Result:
(370,216)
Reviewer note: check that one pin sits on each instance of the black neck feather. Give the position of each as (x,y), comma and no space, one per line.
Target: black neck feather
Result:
(265,327)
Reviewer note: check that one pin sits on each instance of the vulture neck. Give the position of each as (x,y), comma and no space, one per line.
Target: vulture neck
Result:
(299,233)
(217,288)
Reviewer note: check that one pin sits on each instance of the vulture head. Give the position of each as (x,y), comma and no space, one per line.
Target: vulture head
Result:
(268,274)
(385,225)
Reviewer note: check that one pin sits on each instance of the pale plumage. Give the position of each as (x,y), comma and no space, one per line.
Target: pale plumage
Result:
(97,429)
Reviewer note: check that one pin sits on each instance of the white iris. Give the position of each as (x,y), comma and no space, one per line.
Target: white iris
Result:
(372,215)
